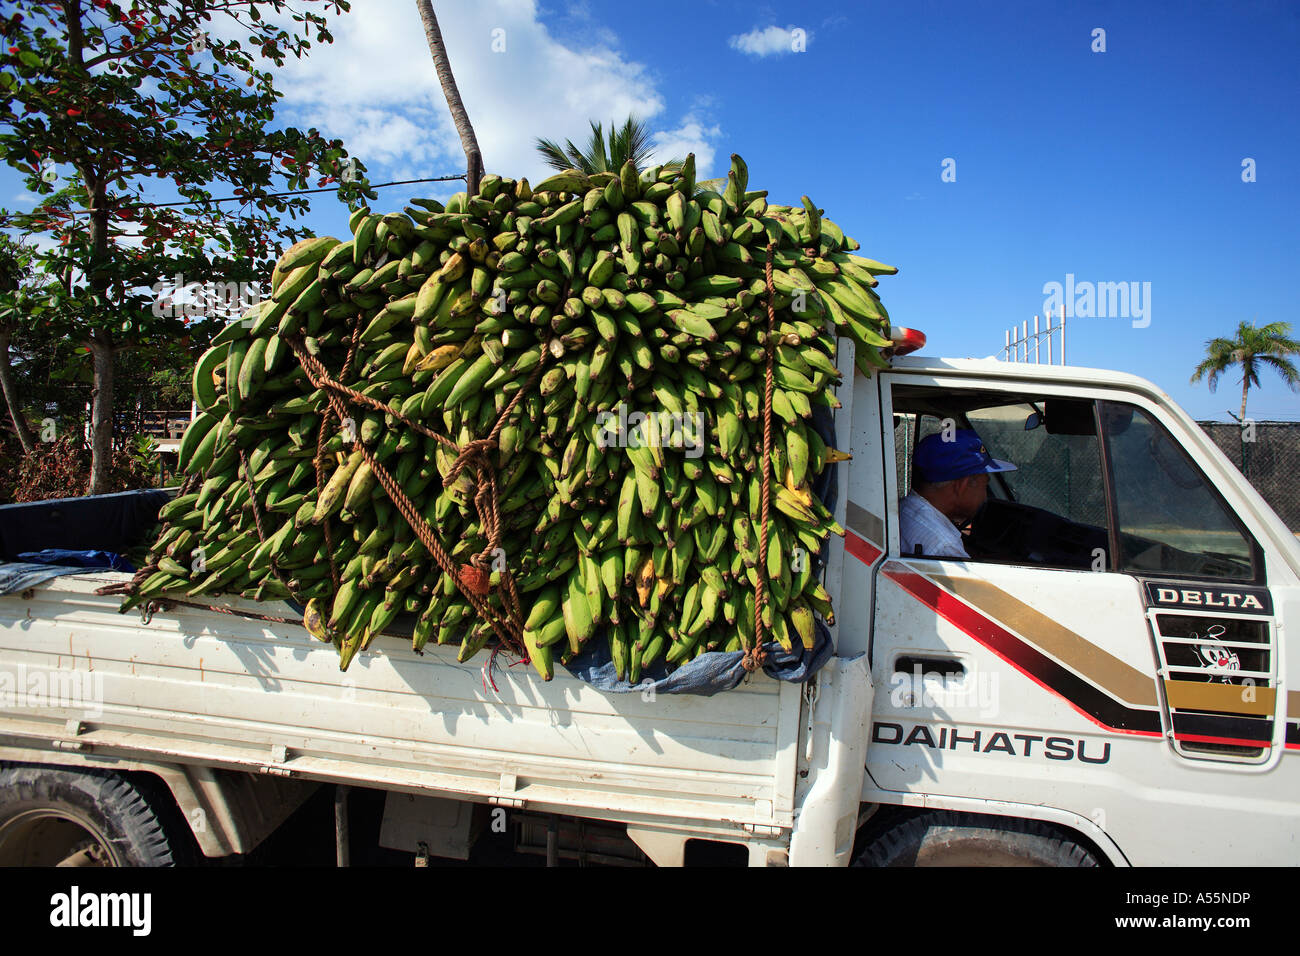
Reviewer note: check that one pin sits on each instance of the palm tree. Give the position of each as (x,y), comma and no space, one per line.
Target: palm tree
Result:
(1268,345)
(631,141)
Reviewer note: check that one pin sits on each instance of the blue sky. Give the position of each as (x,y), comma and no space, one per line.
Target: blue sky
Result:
(1115,166)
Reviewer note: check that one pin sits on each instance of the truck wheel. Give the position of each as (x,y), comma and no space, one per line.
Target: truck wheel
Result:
(943,838)
(56,817)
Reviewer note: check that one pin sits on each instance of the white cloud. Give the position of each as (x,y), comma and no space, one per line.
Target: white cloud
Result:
(376,89)
(692,136)
(770,41)
(26,198)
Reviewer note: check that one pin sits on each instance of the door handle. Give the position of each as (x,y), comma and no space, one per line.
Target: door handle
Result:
(945,667)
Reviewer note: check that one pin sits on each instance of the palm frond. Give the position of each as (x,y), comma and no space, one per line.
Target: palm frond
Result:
(1249,372)
(596,156)
(1285,368)
(606,152)
(628,142)
(1276,330)
(1210,370)
(1221,346)
(554,154)
(1280,343)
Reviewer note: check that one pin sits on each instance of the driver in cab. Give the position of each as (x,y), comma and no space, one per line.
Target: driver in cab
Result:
(950,481)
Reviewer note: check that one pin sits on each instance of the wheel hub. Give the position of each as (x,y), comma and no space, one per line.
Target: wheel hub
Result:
(54,838)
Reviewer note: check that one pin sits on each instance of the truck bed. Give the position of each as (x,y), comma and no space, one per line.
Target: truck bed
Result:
(203,687)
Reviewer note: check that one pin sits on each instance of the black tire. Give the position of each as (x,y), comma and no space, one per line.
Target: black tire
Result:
(59,817)
(944,838)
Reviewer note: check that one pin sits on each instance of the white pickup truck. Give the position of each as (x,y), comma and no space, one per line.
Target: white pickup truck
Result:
(1105,681)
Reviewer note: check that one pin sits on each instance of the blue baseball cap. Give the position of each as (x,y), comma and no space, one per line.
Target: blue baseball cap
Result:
(961,455)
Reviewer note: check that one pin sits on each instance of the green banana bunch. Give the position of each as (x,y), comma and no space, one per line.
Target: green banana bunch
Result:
(624,314)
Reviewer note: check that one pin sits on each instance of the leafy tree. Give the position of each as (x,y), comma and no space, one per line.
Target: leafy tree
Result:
(630,141)
(44,370)
(15,272)
(1252,349)
(135,97)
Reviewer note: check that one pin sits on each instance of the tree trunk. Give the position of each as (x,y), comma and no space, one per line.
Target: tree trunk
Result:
(100,341)
(101,414)
(25,437)
(1245,387)
(473,158)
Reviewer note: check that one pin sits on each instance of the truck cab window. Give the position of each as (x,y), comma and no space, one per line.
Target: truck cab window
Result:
(1171,521)
(1050,511)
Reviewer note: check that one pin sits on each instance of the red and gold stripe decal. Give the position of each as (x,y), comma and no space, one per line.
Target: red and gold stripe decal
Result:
(1108,692)
(1089,701)
(861,548)
(862,531)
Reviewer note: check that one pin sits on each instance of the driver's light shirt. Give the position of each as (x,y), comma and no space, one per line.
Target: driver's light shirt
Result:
(921,523)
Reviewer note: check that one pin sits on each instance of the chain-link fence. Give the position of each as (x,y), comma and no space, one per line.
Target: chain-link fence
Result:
(1268,454)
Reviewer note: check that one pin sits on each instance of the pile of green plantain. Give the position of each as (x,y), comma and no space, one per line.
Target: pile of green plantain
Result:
(626,316)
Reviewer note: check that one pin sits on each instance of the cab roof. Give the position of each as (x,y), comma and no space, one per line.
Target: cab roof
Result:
(1030,371)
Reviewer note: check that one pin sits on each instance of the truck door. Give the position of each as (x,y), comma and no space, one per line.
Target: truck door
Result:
(1108,647)
(1209,612)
